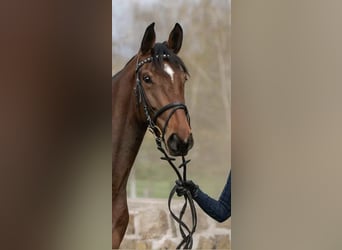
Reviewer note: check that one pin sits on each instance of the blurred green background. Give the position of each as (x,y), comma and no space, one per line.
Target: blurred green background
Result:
(206,53)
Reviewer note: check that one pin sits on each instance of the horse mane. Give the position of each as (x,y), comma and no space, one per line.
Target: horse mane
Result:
(160,49)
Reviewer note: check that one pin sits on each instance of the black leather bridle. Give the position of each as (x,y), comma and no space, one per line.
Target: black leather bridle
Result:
(142,99)
(185,230)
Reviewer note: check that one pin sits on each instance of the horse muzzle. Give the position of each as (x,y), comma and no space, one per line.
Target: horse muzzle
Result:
(179,147)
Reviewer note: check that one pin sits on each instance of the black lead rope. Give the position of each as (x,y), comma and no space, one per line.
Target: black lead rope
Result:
(185,230)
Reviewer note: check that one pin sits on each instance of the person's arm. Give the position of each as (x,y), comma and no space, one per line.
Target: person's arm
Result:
(220,210)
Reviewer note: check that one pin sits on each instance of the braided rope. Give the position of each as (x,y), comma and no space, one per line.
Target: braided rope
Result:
(185,230)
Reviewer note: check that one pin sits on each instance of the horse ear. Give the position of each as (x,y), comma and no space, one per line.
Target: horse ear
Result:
(148,40)
(175,39)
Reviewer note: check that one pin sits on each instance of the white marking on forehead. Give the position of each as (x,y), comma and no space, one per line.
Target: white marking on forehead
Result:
(169,70)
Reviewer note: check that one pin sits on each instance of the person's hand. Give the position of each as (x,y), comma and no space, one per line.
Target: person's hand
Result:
(183,187)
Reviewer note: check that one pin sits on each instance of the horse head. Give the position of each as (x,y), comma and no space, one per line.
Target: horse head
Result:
(160,79)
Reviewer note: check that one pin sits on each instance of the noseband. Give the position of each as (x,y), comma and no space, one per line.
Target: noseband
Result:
(142,99)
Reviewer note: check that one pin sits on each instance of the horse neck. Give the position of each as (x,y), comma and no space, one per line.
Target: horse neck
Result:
(128,127)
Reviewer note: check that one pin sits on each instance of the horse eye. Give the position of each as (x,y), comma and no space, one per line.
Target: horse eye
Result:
(147,79)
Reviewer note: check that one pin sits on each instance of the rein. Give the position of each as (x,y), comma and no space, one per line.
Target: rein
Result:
(185,230)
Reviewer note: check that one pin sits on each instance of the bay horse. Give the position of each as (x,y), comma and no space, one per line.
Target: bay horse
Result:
(147,92)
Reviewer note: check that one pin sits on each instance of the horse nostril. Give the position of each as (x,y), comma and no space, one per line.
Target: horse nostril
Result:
(179,147)
(190,141)
(173,143)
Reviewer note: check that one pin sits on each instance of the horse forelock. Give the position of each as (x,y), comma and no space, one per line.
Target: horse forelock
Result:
(161,49)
